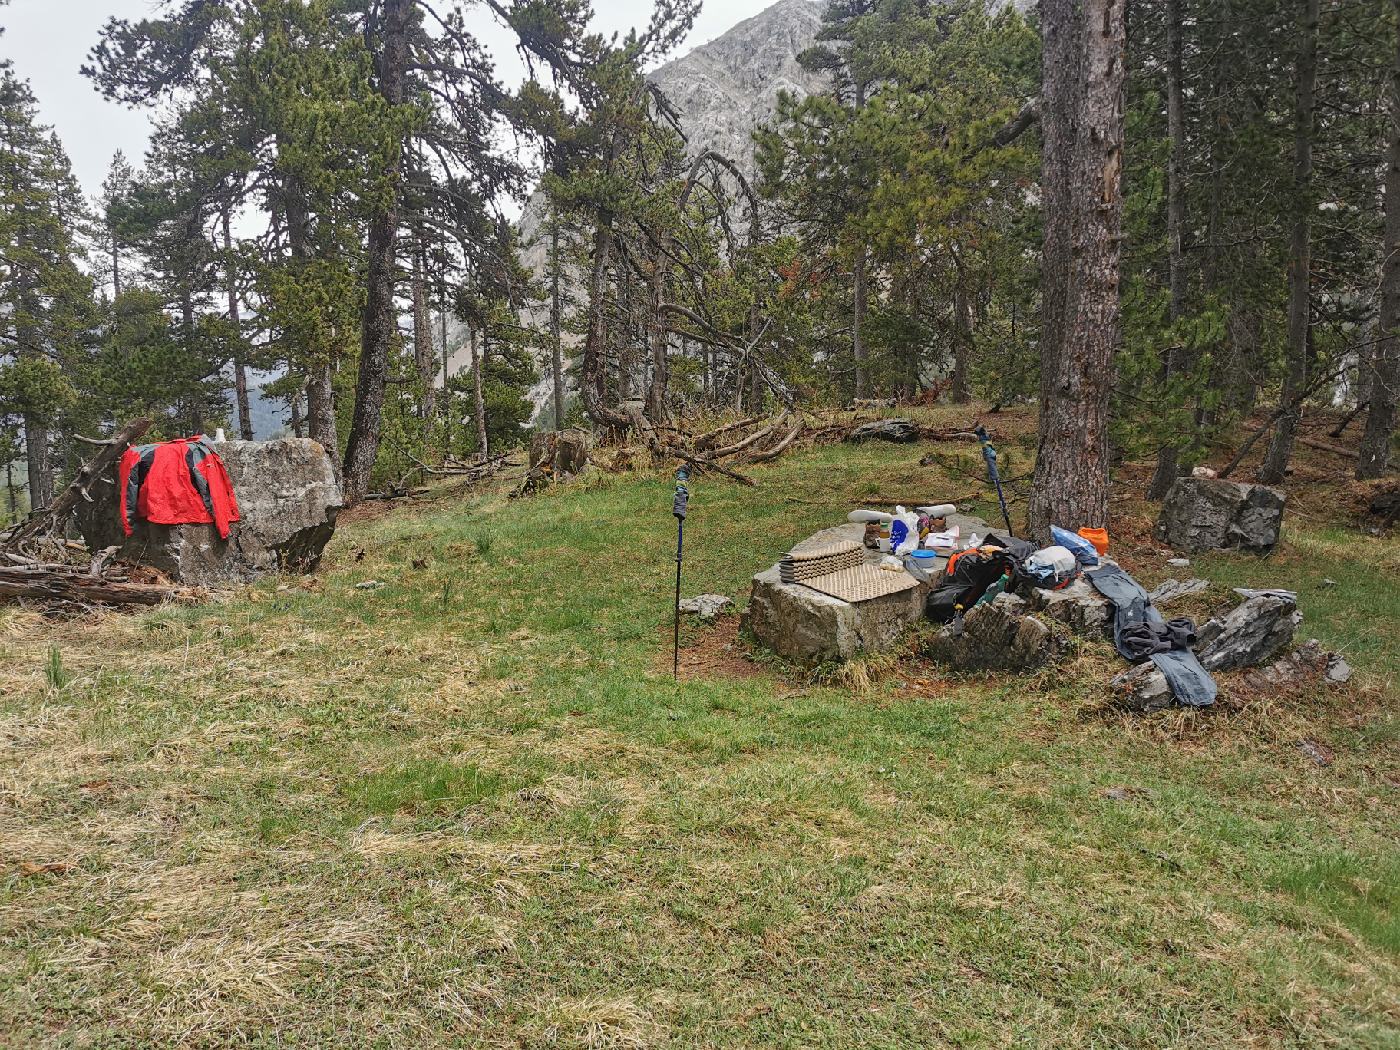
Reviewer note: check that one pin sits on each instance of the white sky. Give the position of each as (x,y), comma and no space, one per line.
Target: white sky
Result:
(49,39)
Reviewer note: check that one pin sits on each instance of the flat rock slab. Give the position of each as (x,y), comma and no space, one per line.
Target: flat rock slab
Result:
(1201,514)
(900,431)
(1079,606)
(288,498)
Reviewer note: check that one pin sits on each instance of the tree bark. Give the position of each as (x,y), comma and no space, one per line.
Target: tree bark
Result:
(962,343)
(1167,456)
(1071,482)
(424,353)
(379,324)
(1374,460)
(240,370)
(320,392)
(1276,460)
(478,401)
(861,292)
(556,343)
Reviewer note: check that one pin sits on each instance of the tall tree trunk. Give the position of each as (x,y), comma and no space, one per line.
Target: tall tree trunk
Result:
(1167,455)
(556,343)
(320,392)
(962,342)
(1385,355)
(478,400)
(1275,465)
(240,370)
(298,425)
(379,325)
(861,292)
(1071,482)
(116,264)
(424,353)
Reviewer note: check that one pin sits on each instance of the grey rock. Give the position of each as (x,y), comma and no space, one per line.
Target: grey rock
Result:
(901,431)
(288,498)
(1142,688)
(1321,754)
(998,636)
(1169,591)
(1300,667)
(1201,514)
(1338,670)
(368,585)
(1078,606)
(1328,582)
(1179,563)
(706,606)
(1249,635)
(808,627)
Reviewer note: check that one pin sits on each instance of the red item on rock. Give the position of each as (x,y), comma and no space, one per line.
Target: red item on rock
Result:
(180,482)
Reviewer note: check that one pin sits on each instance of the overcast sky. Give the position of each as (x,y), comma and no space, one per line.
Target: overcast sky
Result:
(49,39)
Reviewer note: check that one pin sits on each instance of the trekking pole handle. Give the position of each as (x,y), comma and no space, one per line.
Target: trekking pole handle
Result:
(678,507)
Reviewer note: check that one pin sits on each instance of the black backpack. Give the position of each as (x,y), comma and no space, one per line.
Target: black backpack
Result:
(973,572)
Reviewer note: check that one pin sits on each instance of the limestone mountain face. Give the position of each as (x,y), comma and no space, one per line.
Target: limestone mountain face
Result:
(723,91)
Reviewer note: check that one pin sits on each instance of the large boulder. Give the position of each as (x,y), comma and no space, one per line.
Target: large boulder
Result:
(1250,634)
(998,636)
(288,498)
(809,627)
(1201,514)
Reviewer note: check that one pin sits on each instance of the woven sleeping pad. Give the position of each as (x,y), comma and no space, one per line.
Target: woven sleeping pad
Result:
(862,583)
(802,565)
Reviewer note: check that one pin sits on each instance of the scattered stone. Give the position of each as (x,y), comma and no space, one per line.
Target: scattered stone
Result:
(368,585)
(1201,514)
(1179,563)
(706,606)
(1304,665)
(1079,606)
(1319,753)
(1142,688)
(1203,472)
(997,636)
(1338,670)
(1328,583)
(1249,635)
(1170,590)
(288,498)
(901,431)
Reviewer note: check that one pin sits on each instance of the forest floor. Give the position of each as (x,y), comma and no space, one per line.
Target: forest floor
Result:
(470,807)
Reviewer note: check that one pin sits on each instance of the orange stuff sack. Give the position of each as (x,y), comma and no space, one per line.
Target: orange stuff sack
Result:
(1098,537)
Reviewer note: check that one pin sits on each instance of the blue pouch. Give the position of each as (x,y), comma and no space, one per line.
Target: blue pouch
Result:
(1082,549)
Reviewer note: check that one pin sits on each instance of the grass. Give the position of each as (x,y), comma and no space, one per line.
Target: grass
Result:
(469,808)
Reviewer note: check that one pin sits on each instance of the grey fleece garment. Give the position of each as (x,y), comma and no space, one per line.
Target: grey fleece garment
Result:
(1138,629)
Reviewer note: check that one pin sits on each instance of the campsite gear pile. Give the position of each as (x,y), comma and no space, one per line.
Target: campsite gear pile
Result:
(180,482)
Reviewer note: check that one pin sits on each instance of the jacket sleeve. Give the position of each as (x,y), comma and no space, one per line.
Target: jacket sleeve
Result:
(131,472)
(215,488)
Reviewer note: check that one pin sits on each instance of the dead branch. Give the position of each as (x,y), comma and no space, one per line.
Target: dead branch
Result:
(778,449)
(709,464)
(68,586)
(52,520)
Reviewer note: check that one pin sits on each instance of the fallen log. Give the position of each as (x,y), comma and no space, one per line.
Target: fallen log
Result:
(52,519)
(62,584)
(707,441)
(778,449)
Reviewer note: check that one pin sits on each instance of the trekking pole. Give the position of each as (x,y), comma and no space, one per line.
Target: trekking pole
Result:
(678,509)
(990,455)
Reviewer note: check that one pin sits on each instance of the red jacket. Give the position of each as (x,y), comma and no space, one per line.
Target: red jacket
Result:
(180,482)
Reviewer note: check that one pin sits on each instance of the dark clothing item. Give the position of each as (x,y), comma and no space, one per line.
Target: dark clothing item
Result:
(1140,633)
(1137,641)
(181,482)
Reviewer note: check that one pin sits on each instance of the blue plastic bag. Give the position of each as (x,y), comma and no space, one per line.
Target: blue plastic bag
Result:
(1083,550)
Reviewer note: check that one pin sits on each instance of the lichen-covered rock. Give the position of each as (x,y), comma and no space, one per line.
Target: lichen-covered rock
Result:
(1201,514)
(1142,688)
(1079,606)
(1251,634)
(809,628)
(1169,591)
(288,498)
(706,606)
(998,636)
